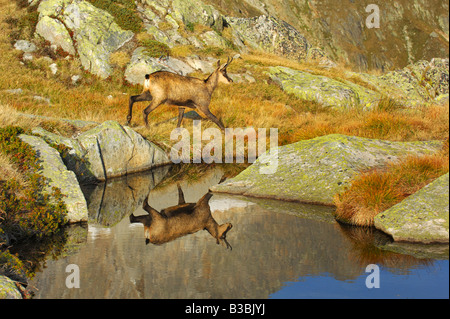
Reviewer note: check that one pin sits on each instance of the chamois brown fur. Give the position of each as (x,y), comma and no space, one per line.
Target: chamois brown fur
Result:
(180,220)
(182,91)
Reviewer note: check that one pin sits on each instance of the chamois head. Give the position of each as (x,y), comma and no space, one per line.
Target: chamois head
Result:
(222,72)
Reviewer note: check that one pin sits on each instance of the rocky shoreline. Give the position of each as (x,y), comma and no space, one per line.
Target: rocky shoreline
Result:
(316,170)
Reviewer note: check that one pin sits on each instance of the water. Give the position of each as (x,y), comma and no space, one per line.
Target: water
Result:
(274,250)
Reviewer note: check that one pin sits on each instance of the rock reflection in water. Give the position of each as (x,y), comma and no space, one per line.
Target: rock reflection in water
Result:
(273,243)
(108,203)
(180,220)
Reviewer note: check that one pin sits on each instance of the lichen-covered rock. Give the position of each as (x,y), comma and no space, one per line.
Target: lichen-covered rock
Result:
(271,35)
(422,217)
(95,33)
(142,64)
(212,38)
(196,11)
(60,177)
(8,289)
(322,89)
(314,171)
(106,151)
(25,46)
(423,81)
(56,33)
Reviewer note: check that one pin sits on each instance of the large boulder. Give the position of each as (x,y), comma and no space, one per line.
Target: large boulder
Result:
(60,177)
(422,217)
(324,90)
(314,171)
(77,25)
(56,33)
(106,151)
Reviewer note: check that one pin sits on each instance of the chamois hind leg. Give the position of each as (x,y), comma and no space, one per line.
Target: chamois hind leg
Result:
(146,96)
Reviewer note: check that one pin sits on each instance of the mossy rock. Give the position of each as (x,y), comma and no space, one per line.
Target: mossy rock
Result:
(93,32)
(60,177)
(422,217)
(196,11)
(324,90)
(106,151)
(8,289)
(314,171)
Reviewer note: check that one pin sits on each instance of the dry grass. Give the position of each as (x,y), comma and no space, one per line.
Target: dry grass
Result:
(262,104)
(9,171)
(377,190)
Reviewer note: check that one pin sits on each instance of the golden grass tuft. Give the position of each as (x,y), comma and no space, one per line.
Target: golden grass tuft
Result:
(379,189)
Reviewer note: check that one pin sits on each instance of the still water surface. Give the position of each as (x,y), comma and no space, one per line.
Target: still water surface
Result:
(274,250)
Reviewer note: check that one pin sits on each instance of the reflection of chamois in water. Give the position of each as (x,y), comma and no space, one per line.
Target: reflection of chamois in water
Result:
(176,221)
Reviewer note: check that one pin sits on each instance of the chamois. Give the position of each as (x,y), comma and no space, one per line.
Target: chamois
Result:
(182,91)
(180,220)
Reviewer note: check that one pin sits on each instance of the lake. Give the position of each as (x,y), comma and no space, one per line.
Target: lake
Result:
(273,250)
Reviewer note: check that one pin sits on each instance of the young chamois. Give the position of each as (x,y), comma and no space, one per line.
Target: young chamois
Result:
(182,91)
(180,220)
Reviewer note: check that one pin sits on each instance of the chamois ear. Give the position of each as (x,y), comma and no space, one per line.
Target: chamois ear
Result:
(218,64)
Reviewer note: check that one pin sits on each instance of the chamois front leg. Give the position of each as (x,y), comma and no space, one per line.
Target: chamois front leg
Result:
(145,96)
(207,113)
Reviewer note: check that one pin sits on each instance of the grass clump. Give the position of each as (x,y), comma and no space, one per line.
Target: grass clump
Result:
(25,210)
(123,11)
(379,189)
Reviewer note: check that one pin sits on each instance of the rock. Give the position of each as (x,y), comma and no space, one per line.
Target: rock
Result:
(201,65)
(195,11)
(42,99)
(27,56)
(422,217)
(59,176)
(14,91)
(8,289)
(415,84)
(56,33)
(54,68)
(169,37)
(212,38)
(106,151)
(75,79)
(25,46)
(271,35)
(242,78)
(94,32)
(314,171)
(142,64)
(324,90)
